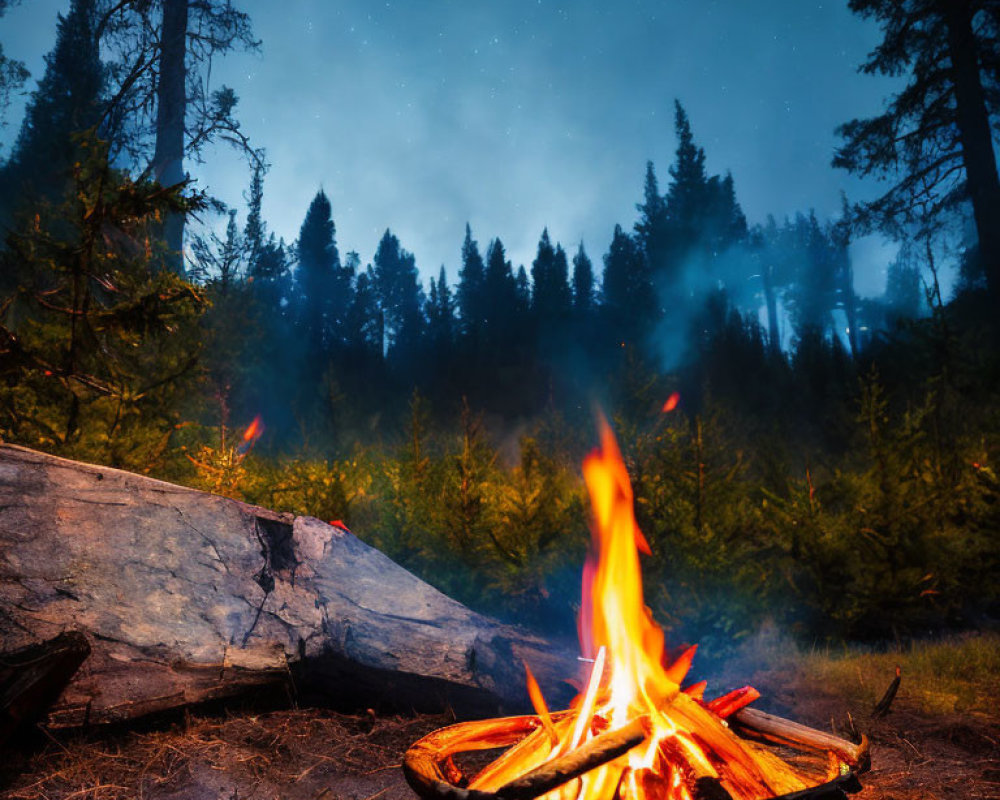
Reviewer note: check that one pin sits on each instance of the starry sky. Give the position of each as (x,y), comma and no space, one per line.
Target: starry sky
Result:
(514,115)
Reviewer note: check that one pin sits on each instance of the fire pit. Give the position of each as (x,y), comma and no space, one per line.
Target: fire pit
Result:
(635,731)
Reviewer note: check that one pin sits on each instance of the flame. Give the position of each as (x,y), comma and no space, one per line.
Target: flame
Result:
(250,436)
(632,677)
(671,402)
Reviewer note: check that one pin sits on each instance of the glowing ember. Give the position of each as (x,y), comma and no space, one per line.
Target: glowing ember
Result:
(671,402)
(250,436)
(687,742)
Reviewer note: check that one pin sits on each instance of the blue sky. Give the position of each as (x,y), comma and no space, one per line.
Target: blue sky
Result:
(515,115)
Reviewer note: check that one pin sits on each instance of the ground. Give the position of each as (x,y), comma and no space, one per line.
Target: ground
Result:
(919,751)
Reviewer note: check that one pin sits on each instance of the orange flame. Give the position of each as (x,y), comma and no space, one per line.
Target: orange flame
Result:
(671,403)
(250,436)
(630,678)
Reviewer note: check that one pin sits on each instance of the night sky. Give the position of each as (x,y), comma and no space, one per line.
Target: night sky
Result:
(514,115)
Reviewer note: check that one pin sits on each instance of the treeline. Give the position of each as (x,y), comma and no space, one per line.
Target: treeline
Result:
(828,463)
(331,336)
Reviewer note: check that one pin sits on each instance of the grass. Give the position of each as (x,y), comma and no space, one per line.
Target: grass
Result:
(949,675)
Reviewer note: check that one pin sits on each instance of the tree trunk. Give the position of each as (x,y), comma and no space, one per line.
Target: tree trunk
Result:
(184,596)
(171,107)
(771,301)
(974,134)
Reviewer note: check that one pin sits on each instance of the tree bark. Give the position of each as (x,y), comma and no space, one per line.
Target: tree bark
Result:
(974,134)
(171,108)
(184,596)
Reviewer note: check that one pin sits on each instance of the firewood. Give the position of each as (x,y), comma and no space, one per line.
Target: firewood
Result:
(783,731)
(422,762)
(598,751)
(882,706)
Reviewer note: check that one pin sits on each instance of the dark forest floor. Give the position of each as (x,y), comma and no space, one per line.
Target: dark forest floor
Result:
(318,754)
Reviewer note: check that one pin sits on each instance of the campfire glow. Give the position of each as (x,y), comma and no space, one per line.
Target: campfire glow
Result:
(633,733)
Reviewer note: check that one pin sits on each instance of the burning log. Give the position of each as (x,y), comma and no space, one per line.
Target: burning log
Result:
(183,597)
(633,733)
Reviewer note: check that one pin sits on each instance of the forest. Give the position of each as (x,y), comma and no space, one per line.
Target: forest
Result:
(801,456)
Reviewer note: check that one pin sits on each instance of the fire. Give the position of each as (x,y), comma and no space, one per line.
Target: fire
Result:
(250,436)
(632,683)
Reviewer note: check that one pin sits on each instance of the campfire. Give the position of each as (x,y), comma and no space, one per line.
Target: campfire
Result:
(635,731)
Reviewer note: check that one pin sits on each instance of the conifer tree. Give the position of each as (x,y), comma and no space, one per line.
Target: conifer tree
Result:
(935,139)
(271,277)
(441,323)
(97,350)
(364,319)
(470,293)
(254,231)
(903,297)
(12,73)
(583,283)
(812,294)
(628,300)
(522,293)
(322,294)
(401,298)
(550,293)
(163,108)
(686,195)
(653,227)
(501,290)
(66,103)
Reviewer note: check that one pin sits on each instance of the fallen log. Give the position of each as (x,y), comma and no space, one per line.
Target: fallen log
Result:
(184,596)
(33,677)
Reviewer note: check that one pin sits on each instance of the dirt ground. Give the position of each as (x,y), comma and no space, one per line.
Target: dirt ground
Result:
(317,754)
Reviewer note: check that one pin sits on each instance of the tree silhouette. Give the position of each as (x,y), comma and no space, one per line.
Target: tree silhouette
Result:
(934,140)
(321,294)
(470,292)
(400,296)
(66,103)
(628,299)
(583,283)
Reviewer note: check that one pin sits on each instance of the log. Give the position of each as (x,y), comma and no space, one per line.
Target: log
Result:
(184,596)
(779,730)
(33,677)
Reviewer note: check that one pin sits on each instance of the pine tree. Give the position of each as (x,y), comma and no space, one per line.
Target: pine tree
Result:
(66,103)
(12,73)
(470,293)
(441,322)
(501,290)
(254,231)
(583,283)
(687,193)
(97,351)
(812,294)
(400,295)
(321,298)
(550,294)
(628,300)
(904,296)
(522,293)
(219,261)
(271,277)
(934,141)
(653,227)
(364,319)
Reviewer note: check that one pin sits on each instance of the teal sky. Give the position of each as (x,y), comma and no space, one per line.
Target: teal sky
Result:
(514,115)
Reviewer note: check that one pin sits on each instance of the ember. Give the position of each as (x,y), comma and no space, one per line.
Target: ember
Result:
(634,732)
